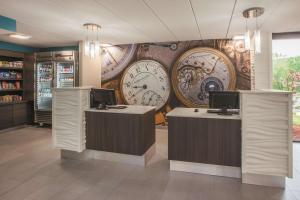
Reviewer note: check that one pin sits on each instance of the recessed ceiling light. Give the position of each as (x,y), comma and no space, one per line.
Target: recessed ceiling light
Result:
(20,36)
(238,37)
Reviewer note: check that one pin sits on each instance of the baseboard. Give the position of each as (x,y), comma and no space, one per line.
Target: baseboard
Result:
(14,128)
(201,168)
(264,180)
(110,156)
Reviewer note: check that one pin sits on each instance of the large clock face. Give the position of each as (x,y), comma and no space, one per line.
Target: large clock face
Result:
(146,82)
(199,71)
(115,58)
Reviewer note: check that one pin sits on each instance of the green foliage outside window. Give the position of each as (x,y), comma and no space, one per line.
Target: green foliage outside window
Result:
(286,76)
(286,73)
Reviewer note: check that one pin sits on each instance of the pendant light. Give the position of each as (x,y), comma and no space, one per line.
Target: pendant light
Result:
(91,43)
(257,40)
(247,37)
(254,12)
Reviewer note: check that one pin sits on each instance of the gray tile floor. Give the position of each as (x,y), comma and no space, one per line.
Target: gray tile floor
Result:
(30,169)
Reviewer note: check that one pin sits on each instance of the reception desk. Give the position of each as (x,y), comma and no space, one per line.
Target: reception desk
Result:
(115,133)
(202,142)
(255,146)
(121,135)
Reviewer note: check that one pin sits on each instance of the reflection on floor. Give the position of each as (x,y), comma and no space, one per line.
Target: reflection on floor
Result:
(31,169)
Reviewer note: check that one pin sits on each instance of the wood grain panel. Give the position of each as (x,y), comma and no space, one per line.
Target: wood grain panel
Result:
(6,116)
(120,133)
(202,140)
(14,114)
(20,115)
(28,76)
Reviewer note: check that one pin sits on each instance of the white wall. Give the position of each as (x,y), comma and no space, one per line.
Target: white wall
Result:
(263,63)
(89,69)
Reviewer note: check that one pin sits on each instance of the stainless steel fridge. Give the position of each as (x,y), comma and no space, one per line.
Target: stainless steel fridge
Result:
(53,69)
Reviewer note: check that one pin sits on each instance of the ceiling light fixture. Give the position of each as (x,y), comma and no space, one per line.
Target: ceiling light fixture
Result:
(91,43)
(254,12)
(20,36)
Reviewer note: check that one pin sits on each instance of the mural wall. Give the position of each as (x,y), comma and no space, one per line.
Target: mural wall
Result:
(172,74)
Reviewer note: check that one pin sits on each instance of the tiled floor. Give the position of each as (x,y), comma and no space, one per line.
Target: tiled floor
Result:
(30,169)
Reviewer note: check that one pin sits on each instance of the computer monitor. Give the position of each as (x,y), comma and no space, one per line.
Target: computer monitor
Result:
(224,99)
(102,96)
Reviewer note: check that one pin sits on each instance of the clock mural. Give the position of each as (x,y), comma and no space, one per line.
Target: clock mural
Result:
(200,70)
(196,66)
(146,82)
(115,59)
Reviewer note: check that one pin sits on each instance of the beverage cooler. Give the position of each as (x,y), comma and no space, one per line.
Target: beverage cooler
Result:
(52,70)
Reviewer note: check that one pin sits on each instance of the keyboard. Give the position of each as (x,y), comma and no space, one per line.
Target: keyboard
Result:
(219,111)
(213,111)
(117,107)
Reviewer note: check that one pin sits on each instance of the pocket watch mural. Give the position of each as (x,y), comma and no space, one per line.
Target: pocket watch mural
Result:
(146,82)
(115,58)
(139,72)
(200,70)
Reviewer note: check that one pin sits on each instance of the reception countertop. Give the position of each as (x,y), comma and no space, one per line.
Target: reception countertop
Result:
(202,113)
(130,109)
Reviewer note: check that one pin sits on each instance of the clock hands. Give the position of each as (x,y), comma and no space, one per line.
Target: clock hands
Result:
(143,86)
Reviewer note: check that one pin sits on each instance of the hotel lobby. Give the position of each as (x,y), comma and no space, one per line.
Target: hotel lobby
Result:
(149,99)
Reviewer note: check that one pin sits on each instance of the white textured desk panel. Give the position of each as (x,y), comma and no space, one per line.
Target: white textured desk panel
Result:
(131,109)
(202,113)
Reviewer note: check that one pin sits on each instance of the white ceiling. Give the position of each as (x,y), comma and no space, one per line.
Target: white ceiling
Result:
(59,22)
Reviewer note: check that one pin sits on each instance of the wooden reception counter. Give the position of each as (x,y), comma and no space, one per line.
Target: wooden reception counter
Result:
(128,131)
(202,142)
(255,145)
(116,133)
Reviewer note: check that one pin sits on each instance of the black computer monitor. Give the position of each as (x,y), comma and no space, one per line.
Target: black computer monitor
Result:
(224,99)
(102,96)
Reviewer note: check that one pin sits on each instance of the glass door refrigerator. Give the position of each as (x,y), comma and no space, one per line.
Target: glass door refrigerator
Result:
(66,69)
(53,69)
(44,85)
(44,75)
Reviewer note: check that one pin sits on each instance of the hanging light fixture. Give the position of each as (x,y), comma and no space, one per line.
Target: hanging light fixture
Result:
(257,40)
(253,13)
(247,37)
(91,43)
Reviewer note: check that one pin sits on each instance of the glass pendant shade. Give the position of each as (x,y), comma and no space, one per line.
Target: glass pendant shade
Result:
(97,47)
(92,44)
(257,40)
(92,50)
(247,40)
(86,48)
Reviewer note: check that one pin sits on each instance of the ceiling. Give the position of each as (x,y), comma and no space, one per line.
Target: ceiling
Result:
(59,22)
